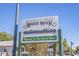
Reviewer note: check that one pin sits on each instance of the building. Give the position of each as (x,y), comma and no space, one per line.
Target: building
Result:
(6,46)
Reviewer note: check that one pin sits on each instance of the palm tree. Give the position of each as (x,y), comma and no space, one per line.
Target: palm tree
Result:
(55,49)
(65,44)
(77,49)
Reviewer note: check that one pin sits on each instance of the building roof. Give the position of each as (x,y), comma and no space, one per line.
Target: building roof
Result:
(6,43)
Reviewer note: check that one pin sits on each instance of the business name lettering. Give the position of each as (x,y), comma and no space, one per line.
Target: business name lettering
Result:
(42,23)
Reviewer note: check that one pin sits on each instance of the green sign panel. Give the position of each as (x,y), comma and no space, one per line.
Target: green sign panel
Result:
(40,38)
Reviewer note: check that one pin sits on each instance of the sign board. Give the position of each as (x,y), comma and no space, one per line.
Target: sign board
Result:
(43,29)
(41,23)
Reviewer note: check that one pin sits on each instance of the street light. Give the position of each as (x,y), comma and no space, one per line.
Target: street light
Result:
(71,47)
(16,29)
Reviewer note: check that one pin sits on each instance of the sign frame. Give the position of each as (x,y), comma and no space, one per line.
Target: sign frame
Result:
(22,35)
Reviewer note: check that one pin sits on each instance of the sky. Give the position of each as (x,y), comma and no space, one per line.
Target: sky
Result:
(68,17)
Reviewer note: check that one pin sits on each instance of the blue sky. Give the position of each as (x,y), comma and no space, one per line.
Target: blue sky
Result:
(68,17)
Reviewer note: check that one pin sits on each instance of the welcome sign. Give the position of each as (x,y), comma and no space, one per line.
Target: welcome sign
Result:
(43,29)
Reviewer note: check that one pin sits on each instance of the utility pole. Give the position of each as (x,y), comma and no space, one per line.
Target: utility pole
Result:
(16,29)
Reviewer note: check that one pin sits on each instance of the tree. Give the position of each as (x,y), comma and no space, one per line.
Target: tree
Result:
(65,44)
(37,49)
(54,48)
(69,49)
(77,48)
(5,37)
